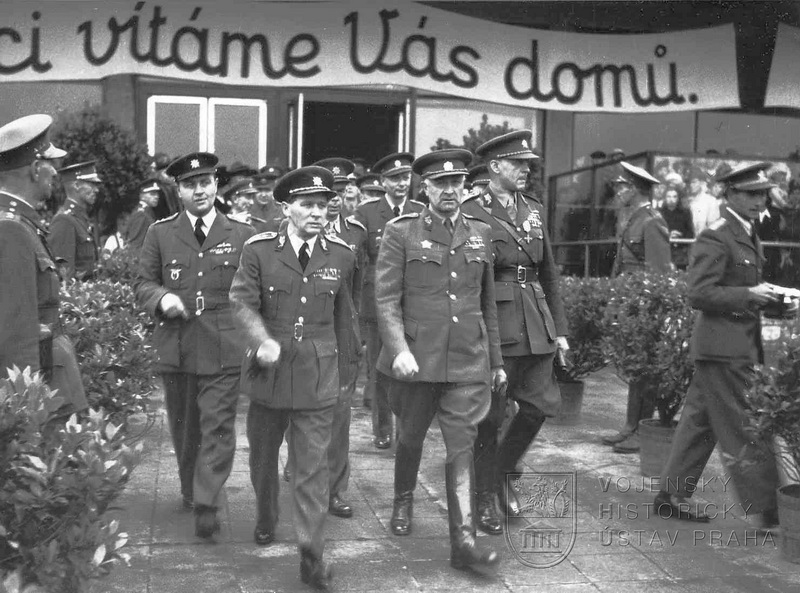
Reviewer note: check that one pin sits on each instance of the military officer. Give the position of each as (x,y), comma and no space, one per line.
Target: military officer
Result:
(187,264)
(477,179)
(240,196)
(643,244)
(725,284)
(72,232)
(292,297)
(370,187)
(266,214)
(530,314)
(32,335)
(395,172)
(437,316)
(144,215)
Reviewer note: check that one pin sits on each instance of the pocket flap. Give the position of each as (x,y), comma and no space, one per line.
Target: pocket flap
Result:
(279,284)
(425,256)
(499,235)
(475,255)
(504,291)
(410,326)
(45,263)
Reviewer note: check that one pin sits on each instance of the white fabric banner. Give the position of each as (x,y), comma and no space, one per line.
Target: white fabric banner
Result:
(783,88)
(336,44)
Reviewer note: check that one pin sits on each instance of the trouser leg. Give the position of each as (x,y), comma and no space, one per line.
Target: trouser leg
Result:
(377,385)
(339,450)
(180,397)
(265,428)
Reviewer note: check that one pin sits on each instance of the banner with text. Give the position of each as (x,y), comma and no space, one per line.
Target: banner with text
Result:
(334,44)
(784,75)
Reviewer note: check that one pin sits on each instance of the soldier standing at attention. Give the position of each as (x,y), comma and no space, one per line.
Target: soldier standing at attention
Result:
(72,233)
(32,335)
(187,264)
(144,215)
(395,172)
(530,316)
(292,297)
(434,292)
(643,244)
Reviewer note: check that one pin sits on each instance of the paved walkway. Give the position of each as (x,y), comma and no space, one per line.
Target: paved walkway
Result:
(619,546)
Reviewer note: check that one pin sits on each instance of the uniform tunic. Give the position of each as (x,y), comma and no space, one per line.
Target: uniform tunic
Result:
(72,239)
(138,223)
(726,343)
(29,299)
(644,243)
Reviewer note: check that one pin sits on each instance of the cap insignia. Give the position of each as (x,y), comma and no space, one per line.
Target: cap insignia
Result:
(336,170)
(448,166)
(398,163)
(194,164)
(317,181)
(762,176)
(524,143)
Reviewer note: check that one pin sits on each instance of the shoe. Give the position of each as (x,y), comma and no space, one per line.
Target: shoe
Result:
(187,504)
(263,537)
(629,445)
(206,523)
(508,500)
(340,508)
(315,573)
(616,438)
(287,474)
(469,556)
(402,512)
(382,442)
(487,519)
(673,506)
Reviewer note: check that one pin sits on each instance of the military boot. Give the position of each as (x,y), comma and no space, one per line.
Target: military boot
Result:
(406,467)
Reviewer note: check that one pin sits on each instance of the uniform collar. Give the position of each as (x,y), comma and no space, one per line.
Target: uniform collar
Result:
(748,226)
(401,205)
(335,225)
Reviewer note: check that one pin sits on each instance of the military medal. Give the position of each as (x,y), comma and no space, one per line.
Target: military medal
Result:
(526,226)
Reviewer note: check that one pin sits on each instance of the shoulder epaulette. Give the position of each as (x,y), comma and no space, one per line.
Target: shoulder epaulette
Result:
(718,224)
(261,237)
(237,221)
(531,197)
(4,215)
(369,201)
(338,241)
(417,202)
(170,217)
(471,196)
(408,216)
(355,221)
(257,219)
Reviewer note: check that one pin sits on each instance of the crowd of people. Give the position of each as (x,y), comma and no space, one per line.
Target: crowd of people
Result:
(271,284)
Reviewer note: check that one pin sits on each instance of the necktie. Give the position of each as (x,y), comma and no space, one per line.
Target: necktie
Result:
(448,224)
(512,210)
(303,255)
(397,211)
(331,228)
(198,231)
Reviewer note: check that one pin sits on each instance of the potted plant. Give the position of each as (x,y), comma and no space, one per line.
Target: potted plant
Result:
(584,300)
(650,326)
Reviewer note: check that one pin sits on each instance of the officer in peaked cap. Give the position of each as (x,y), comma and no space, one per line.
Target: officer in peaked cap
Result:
(341,169)
(266,213)
(477,178)
(532,329)
(270,172)
(239,197)
(186,268)
(145,213)
(32,334)
(293,304)
(73,232)
(370,186)
(726,286)
(437,316)
(395,173)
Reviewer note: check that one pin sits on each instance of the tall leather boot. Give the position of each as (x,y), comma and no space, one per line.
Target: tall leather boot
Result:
(647,405)
(632,414)
(521,432)
(406,467)
(464,553)
(485,455)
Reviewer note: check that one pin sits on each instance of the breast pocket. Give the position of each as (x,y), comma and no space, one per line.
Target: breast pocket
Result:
(276,291)
(423,268)
(747,270)
(475,266)
(223,268)
(175,274)
(46,281)
(325,293)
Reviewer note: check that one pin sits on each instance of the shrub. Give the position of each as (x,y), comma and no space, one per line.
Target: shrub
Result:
(119,266)
(585,301)
(112,342)
(56,482)
(649,322)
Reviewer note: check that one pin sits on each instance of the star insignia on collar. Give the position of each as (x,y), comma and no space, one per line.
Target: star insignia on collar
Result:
(398,163)
(487,199)
(525,143)
(317,181)
(335,170)
(194,164)
(426,244)
(448,166)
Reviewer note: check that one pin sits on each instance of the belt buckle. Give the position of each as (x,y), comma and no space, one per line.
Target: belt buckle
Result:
(298,331)
(200,305)
(522,274)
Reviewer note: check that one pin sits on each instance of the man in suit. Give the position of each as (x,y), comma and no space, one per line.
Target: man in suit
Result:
(395,172)
(292,297)
(72,232)
(531,319)
(187,264)
(144,215)
(434,292)
(725,284)
(32,334)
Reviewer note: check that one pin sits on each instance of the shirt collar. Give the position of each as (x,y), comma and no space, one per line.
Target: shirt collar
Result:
(441,218)
(297,242)
(401,205)
(748,226)
(335,225)
(208,218)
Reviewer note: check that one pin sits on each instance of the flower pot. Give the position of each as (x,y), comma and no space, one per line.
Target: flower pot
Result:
(571,401)
(789,518)
(656,442)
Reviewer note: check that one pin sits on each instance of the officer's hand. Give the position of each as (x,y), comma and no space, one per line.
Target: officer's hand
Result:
(562,344)
(499,380)
(268,352)
(172,306)
(763,294)
(405,365)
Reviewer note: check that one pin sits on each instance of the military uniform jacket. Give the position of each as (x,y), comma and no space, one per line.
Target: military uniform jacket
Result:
(374,214)
(72,239)
(435,296)
(171,261)
(138,223)
(29,298)
(644,243)
(529,308)
(309,313)
(723,263)
(266,218)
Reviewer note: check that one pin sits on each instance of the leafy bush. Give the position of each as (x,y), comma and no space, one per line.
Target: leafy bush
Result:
(112,341)
(56,481)
(119,266)
(649,322)
(122,161)
(585,301)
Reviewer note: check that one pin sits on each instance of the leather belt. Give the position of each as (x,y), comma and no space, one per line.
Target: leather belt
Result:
(519,274)
(201,305)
